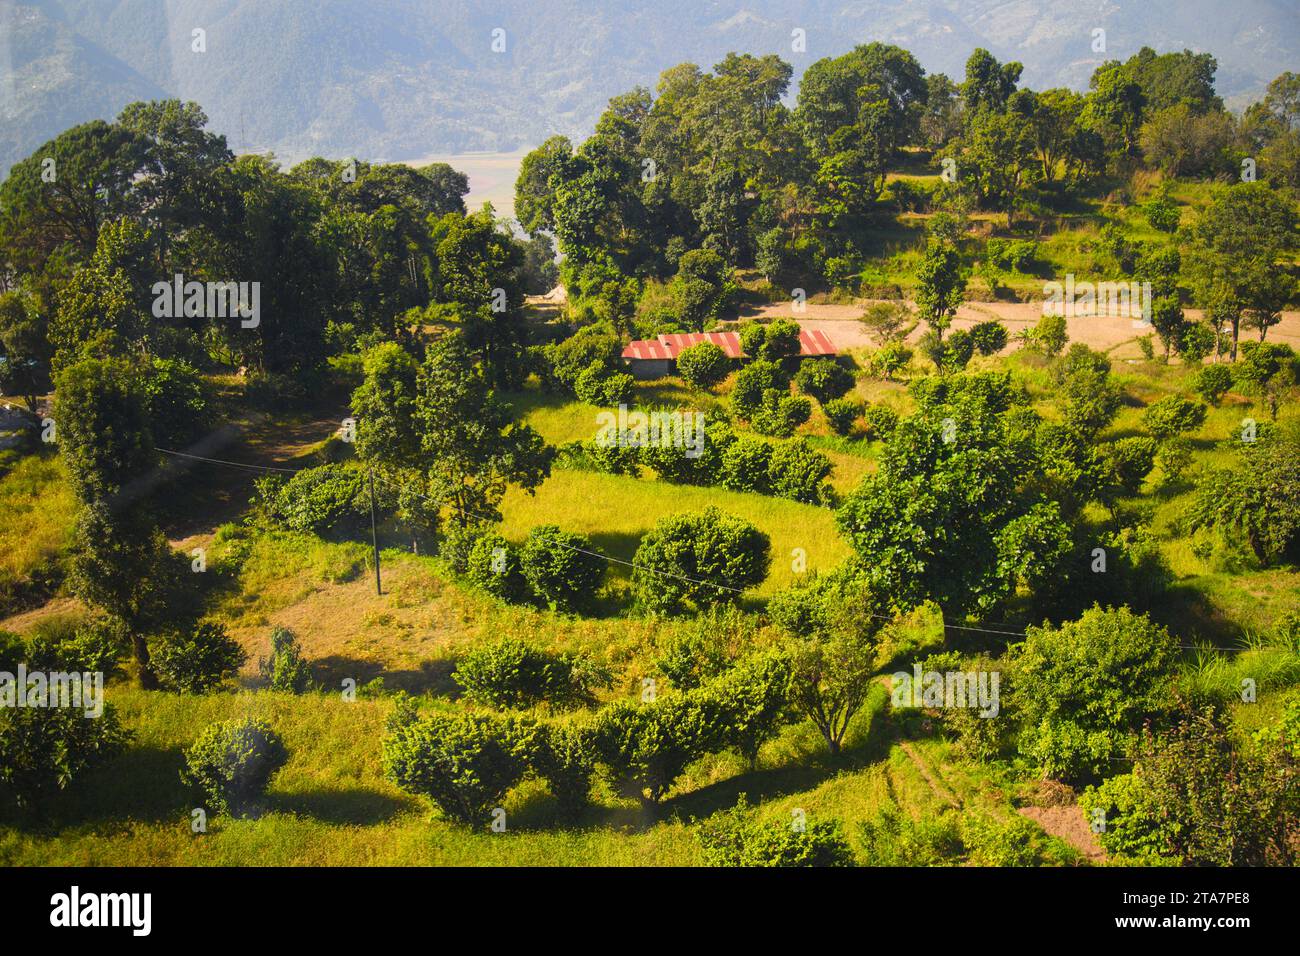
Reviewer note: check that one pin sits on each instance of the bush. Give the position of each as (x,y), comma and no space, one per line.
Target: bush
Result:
(893,838)
(646,747)
(196,662)
(823,379)
(597,385)
(512,673)
(43,749)
(697,560)
(991,842)
(494,566)
(753,695)
(737,838)
(989,337)
(798,472)
(465,764)
(780,414)
(231,763)
(703,647)
(175,402)
(890,359)
(703,365)
(1082,688)
(753,382)
(67,644)
(566,760)
(1049,335)
(1173,415)
(1212,382)
(562,569)
(745,465)
(327,500)
(841,414)
(286,669)
(881,420)
(1133,825)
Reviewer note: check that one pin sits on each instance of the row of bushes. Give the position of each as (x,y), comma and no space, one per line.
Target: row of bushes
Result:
(466,763)
(790,469)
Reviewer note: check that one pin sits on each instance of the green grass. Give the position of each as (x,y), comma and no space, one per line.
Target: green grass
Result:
(616,511)
(37,511)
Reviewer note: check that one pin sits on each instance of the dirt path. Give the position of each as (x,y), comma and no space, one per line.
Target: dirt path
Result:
(840,323)
(1070,825)
(937,787)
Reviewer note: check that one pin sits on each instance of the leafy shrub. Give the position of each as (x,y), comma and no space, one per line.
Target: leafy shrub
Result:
(703,647)
(890,359)
(703,365)
(194,662)
(1082,688)
(562,568)
(1129,461)
(881,420)
(67,644)
(1256,503)
(798,471)
(991,842)
(754,695)
(753,382)
(823,379)
(464,763)
(745,465)
(512,673)
(697,560)
(327,500)
(493,564)
(1212,382)
(780,414)
(893,838)
(175,401)
(597,385)
(737,838)
(1049,335)
(47,748)
(231,763)
(566,760)
(841,413)
(1173,415)
(644,748)
(1133,822)
(989,337)
(286,669)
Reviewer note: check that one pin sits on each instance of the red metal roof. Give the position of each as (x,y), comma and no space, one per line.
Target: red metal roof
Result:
(670,346)
(729,342)
(646,349)
(815,342)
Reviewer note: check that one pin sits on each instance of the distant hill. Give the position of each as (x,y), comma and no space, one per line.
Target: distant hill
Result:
(399,79)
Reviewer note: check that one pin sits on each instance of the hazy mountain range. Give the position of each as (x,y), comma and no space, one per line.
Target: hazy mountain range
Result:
(403,79)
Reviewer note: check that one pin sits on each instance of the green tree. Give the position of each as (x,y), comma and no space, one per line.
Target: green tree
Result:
(697,560)
(940,285)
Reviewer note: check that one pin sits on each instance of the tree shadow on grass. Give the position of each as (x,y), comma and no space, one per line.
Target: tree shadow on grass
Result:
(142,785)
(343,806)
(430,677)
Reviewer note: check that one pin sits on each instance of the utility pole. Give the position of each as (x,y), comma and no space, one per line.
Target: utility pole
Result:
(374,533)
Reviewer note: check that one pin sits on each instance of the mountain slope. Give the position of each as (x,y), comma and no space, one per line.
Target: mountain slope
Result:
(397,79)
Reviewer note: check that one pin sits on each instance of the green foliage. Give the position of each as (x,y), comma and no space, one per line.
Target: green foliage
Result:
(988,337)
(798,472)
(231,763)
(841,414)
(703,365)
(1080,689)
(464,763)
(736,837)
(563,569)
(753,382)
(47,748)
(890,359)
(1049,335)
(823,379)
(835,618)
(893,838)
(493,564)
(698,559)
(1257,502)
(197,661)
(881,420)
(940,285)
(328,500)
(286,669)
(644,748)
(1211,383)
(1173,415)
(510,673)
(780,414)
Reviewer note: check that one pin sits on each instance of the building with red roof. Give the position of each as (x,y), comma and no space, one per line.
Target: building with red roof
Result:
(655,358)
